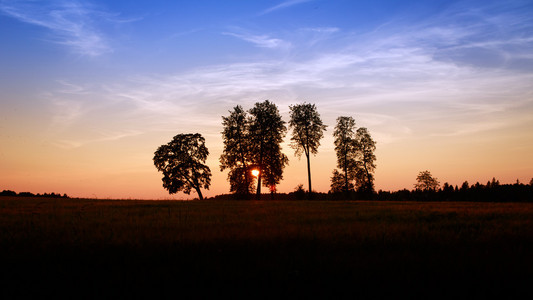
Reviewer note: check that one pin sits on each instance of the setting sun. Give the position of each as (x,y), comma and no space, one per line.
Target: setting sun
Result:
(255,172)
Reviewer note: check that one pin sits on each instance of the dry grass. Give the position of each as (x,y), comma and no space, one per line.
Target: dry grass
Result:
(424,249)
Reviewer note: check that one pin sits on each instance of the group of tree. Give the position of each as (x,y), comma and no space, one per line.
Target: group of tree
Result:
(253,155)
(355,158)
(252,148)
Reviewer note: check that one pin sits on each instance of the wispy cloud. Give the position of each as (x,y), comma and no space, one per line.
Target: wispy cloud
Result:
(392,81)
(263,41)
(283,5)
(72,23)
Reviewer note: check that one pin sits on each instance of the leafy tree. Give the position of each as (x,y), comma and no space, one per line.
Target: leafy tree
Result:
(267,131)
(345,147)
(355,157)
(365,157)
(237,151)
(447,188)
(307,130)
(426,182)
(338,183)
(465,186)
(299,192)
(495,183)
(182,163)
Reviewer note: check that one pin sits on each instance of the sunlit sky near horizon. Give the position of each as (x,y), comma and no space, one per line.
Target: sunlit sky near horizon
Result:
(90,89)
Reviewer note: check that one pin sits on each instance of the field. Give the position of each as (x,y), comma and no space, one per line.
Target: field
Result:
(85,248)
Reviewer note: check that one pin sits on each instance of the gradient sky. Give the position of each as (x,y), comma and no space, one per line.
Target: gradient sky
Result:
(90,89)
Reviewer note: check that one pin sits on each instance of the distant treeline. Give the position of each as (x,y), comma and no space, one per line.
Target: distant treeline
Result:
(28,194)
(491,192)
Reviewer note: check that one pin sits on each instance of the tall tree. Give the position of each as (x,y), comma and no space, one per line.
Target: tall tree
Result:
(237,151)
(345,147)
(267,131)
(307,130)
(365,157)
(182,162)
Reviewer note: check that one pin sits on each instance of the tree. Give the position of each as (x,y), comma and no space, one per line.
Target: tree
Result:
(365,157)
(182,163)
(237,151)
(355,157)
(307,130)
(465,186)
(345,148)
(426,182)
(267,131)
(338,183)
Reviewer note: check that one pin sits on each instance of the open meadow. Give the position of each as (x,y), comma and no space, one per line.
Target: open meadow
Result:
(105,248)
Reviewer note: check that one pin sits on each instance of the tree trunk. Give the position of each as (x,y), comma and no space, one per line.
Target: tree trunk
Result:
(200,196)
(309,173)
(258,194)
(368,183)
(346,171)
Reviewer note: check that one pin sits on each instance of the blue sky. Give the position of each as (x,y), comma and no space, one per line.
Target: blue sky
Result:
(432,80)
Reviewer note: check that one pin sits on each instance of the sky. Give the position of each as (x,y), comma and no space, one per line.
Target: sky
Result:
(90,89)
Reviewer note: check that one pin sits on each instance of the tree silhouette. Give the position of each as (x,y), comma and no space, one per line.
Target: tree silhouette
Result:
(338,183)
(345,147)
(182,163)
(267,131)
(307,130)
(365,157)
(237,151)
(426,182)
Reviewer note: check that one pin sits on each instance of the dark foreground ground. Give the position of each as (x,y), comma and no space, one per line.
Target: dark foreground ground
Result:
(167,249)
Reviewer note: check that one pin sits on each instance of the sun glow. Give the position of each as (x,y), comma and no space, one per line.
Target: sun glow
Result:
(255,172)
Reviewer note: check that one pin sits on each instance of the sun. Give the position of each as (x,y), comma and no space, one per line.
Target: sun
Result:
(255,172)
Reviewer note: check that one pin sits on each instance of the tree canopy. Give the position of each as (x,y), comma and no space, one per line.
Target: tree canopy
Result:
(365,157)
(182,162)
(426,182)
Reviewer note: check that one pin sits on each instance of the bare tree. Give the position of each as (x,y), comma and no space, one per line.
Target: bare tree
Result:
(267,131)
(307,130)
(182,162)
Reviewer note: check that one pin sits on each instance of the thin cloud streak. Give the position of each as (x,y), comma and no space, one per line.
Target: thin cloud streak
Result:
(72,23)
(262,41)
(178,101)
(285,4)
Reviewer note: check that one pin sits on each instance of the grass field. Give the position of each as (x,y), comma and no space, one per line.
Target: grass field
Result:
(102,248)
